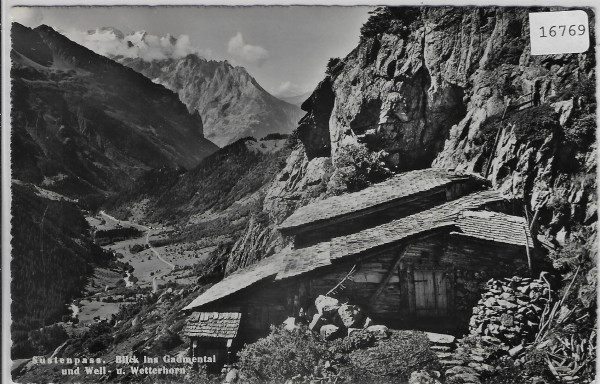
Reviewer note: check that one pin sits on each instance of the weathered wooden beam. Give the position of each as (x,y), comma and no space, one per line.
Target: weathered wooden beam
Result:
(389,273)
(529,263)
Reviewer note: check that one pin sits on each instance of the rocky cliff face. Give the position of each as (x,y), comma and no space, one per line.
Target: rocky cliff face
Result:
(232,104)
(428,87)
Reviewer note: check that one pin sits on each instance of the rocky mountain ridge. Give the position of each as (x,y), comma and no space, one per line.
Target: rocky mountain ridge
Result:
(231,102)
(85,125)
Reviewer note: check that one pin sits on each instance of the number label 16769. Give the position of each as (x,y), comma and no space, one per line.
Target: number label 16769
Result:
(558,32)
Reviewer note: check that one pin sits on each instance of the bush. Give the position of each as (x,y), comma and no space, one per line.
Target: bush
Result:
(334,66)
(534,124)
(357,340)
(99,344)
(135,248)
(212,268)
(275,136)
(582,130)
(509,53)
(282,355)
(357,168)
(392,20)
(393,359)
(585,89)
(45,340)
(506,373)
(166,342)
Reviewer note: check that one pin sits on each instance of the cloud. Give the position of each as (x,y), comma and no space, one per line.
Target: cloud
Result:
(289,89)
(251,54)
(108,41)
(29,17)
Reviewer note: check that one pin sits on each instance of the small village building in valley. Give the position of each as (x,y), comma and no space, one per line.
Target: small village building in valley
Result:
(413,252)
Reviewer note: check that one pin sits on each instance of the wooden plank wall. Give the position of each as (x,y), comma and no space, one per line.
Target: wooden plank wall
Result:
(462,263)
(466,265)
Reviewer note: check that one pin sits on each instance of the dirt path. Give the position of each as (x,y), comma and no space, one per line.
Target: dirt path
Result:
(143,228)
(156,252)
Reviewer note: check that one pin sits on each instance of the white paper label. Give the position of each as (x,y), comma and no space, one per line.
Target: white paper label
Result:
(559,32)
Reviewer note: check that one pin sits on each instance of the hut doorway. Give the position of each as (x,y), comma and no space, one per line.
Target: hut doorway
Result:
(431,293)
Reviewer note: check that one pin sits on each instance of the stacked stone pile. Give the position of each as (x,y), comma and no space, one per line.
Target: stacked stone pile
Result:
(335,319)
(510,309)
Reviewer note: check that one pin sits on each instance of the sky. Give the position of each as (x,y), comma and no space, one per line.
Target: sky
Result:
(286,48)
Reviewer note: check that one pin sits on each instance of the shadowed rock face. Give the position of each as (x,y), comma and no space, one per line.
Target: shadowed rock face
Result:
(388,99)
(313,129)
(232,104)
(85,125)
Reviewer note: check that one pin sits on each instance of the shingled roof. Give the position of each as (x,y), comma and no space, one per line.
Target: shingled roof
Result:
(494,226)
(213,324)
(376,196)
(302,260)
(243,278)
(462,216)
(440,216)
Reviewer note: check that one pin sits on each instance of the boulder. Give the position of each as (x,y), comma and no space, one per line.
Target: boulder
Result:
(422,377)
(317,322)
(507,320)
(290,324)
(232,376)
(506,304)
(350,315)
(379,331)
(327,306)
(456,370)
(516,350)
(490,302)
(466,378)
(329,331)
(440,338)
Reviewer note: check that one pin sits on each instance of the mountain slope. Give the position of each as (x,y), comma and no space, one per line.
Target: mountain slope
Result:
(214,198)
(85,125)
(295,99)
(53,253)
(232,104)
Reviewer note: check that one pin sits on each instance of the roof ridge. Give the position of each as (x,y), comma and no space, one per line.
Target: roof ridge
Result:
(398,186)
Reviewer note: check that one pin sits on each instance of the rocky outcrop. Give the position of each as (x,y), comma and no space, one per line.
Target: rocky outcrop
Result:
(257,241)
(393,93)
(313,129)
(298,183)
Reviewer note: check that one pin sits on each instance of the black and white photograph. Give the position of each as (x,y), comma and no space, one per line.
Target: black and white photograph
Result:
(299,194)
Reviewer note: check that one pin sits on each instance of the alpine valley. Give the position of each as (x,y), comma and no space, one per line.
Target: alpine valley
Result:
(125,212)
